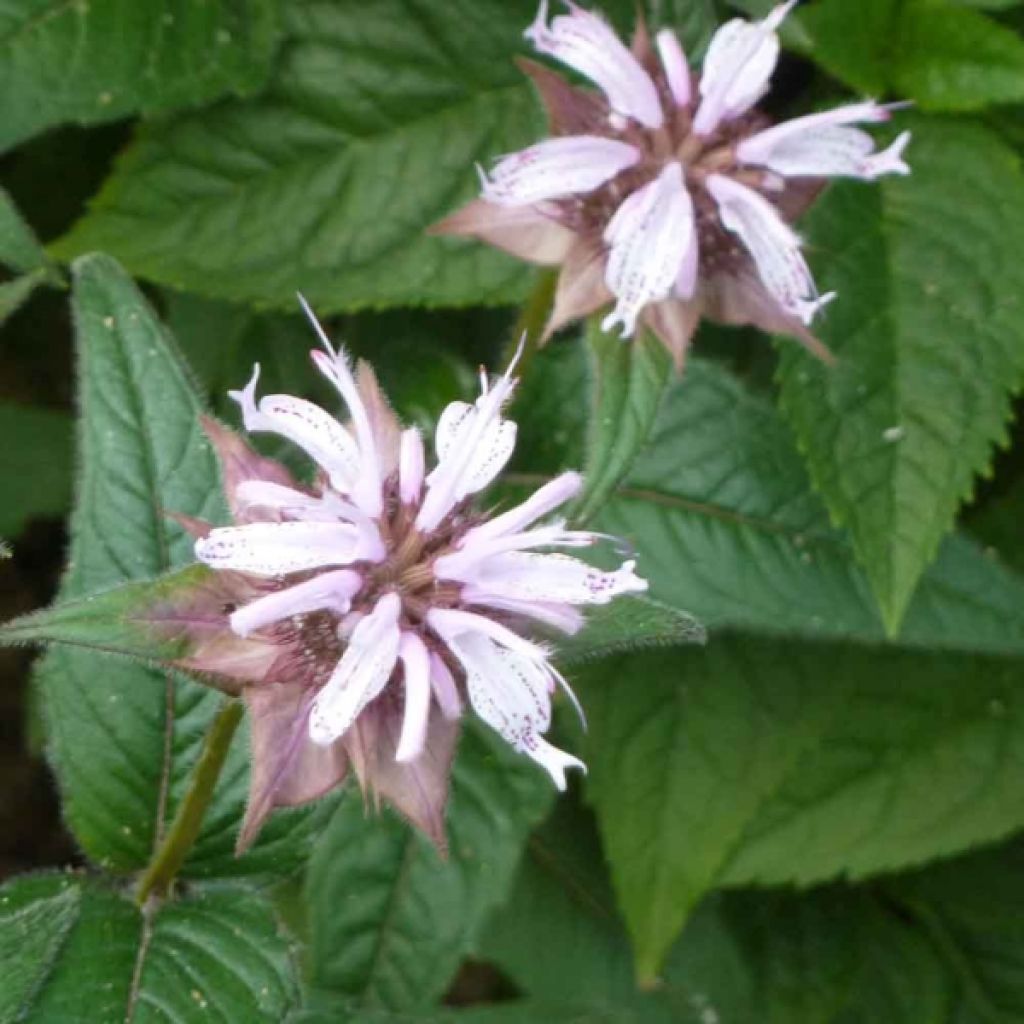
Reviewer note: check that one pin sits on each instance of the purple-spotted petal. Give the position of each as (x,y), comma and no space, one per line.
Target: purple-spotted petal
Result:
(319,434)
(588,44)
(772,243)
(737,68)
(270,549)
(473,444)
(511,693)
(362,673)
(823,145)
(650,238)
(556,168)
(528,576)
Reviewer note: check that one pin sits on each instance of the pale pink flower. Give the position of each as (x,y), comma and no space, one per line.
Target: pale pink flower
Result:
(372,605)
(669,196)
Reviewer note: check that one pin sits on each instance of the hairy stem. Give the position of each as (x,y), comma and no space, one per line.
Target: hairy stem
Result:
(181,836)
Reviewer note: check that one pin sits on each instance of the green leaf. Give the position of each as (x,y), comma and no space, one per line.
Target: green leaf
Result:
(327,1009)
(215,954)
(390,920)
(930,344)
(15,293)
(679,766)
(628,381)
(19,248)
(629,624)
(835,956)
(562,897)
(327,182)
(123,738)
(36,454)
(105,59)
(973,911)
(725,525)
(943,56)
(758,761)
(34,921)
(921,763)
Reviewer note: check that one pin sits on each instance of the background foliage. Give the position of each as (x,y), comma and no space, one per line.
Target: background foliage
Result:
(814,819)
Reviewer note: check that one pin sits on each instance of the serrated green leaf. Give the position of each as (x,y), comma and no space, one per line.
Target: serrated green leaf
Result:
(943,56)
(921,763)
(628,381)
(725,525)
(764,762)
(36,454)
(103,59)
(833,956)
(216,954)
(124,738)
(930,345)
(114,621)
(391,921)
(342,156)
(680,765)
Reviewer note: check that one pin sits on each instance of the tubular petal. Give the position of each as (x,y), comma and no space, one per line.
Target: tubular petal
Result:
(269,549)
(330,590)
(446,693)
(545,499)
(773,245)
(410,466)
(556,168)
(588,44)
(562,617)
(650,238)
(278,498)
(528,576)
(320,435)
(362,673)
(473,444)
(823,145)
(511,694)
(416,661)
(677,71)
(737,68)
(334,366)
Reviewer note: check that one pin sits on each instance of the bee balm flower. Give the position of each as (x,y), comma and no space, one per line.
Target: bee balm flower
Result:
(373,604)
(669,196)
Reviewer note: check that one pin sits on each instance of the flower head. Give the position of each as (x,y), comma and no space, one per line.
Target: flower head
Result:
(368,608)
(668,196)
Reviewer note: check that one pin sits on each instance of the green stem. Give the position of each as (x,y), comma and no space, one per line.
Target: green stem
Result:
(182,834)
(532,318)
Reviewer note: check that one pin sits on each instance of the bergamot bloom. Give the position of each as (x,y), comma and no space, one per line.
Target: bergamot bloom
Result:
(669,196)
(367,609)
